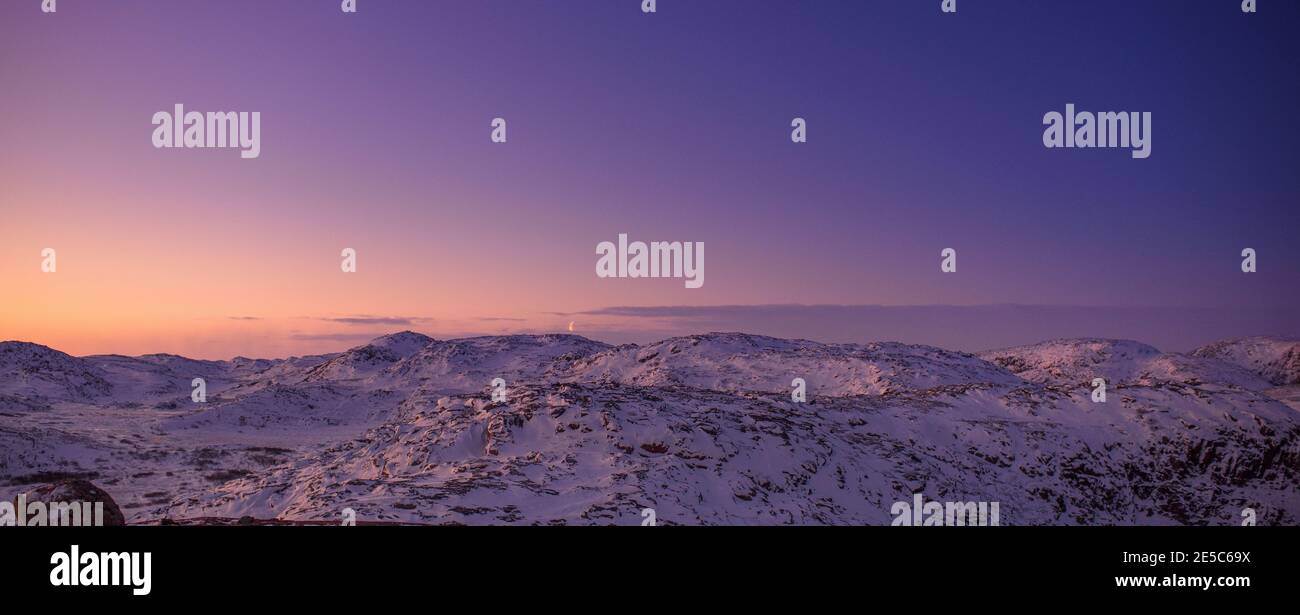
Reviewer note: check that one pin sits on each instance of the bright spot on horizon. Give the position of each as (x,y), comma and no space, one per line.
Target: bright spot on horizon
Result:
(570,326)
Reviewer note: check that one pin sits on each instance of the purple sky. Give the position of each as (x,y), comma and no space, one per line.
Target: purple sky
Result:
(924,133)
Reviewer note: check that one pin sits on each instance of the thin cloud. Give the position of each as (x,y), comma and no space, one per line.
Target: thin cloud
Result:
(367,320)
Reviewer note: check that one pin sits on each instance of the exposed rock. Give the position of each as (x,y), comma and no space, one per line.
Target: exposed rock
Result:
(75,490)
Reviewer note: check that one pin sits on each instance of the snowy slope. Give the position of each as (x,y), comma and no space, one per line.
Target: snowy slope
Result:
(471,364)
(1275,360)
(1076,362)
(33,372)
(701,428)
(577,453)
(740,362)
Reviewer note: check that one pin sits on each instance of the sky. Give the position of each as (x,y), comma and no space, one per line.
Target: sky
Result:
(924,132)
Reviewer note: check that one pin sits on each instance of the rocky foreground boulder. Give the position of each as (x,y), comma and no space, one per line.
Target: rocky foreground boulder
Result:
(79,491)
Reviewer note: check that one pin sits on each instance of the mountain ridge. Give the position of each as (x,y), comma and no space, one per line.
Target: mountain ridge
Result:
(703,428)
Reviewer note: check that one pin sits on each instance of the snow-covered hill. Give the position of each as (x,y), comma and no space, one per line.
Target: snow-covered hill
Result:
(35,373)
(1076,362)
(700,428)
(1275,360)
(740,362)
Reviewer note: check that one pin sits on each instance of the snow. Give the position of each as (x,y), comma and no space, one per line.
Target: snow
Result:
(1275,359)
(1077,362)
(701,428)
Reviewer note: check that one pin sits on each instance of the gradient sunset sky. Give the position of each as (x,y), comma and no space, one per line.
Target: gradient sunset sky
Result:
(925,132)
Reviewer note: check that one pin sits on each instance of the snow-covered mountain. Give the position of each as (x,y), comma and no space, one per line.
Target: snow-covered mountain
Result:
(1076,362)
(700,428)
(739,362)
(35,374)
(1276,360)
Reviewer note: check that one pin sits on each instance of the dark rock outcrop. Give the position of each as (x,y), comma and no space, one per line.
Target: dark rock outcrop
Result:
(75,490)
